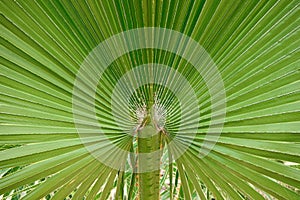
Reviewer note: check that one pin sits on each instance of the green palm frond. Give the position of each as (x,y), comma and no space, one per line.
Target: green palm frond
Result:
(254,47)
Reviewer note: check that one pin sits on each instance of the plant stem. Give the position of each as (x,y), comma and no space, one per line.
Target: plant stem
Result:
(149,181)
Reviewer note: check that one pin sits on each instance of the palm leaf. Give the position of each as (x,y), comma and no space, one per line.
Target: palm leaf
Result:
(254,46)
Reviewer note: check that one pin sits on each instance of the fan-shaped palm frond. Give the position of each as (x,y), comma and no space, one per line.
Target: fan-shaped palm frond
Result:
(127,99)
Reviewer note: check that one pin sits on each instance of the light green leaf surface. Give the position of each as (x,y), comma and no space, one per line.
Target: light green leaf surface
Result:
(255,46)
